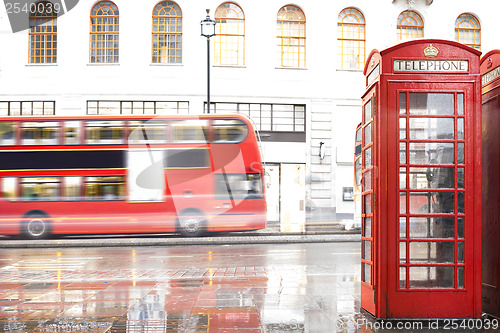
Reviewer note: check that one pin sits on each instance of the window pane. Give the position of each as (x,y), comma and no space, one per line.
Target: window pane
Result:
(226,130)
(7,133)
(367,177)
(432,277)
(40,188)
(402,103)
(238,186)
(402,227)
(402,153)
(72,188)
(432,227)
(186,158)
(71,132)
(402,252)
(368,227)
(402,277)
(104,188)
(432,202)
(189,131)
(368,134)
(432,252)
(9,188)
(367,253)
(367,273)
(432,104)
(432,128)
(432,178)
(402,178)
(368,112)
(432,153)
(104,132)
(40,133)
(368,157)
(147,131)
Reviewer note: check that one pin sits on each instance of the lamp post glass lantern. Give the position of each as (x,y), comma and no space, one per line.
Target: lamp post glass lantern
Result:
(208,30)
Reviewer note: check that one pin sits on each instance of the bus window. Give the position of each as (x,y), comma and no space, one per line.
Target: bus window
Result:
(189,131)
(39,133)
(40,188)
(186,158)
(229,131)
(357,172)
(147,131)
(104,132)
(72,132)
(238,186)
(9,188)
(72,188)
(104,188)
(7,133)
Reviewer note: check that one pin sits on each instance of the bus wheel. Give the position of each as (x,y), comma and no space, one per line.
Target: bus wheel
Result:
(191,225)
(36,226)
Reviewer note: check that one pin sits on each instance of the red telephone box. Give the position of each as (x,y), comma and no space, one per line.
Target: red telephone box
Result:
(490,71)
(421,184)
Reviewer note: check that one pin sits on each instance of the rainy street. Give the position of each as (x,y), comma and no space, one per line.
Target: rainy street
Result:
(246,288)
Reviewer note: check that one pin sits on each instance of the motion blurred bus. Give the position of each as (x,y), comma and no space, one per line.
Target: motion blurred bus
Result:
(357,178)
(129,174)
(355,223)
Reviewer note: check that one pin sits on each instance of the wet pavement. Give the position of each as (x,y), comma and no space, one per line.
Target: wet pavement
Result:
(303,287)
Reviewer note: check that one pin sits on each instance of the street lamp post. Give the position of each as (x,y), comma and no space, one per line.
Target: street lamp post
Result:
(208,30)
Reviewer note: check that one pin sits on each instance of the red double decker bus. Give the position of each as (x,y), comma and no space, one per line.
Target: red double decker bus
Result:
(129,174)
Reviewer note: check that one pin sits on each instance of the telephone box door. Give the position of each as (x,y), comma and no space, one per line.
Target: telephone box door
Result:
(430,167)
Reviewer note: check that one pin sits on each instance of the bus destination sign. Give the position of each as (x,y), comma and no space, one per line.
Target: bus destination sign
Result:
(431,66)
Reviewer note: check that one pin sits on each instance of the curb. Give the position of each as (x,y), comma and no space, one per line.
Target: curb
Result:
(228,240)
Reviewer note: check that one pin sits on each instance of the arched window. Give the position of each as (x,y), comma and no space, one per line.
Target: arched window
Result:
(167,33)
(468,31)
(410,26)
(291,37)
(230,35)
(104,38)
(351,36)
(43,33)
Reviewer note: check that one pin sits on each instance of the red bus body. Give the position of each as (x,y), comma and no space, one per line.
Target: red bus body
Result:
(356,224)
(195,169)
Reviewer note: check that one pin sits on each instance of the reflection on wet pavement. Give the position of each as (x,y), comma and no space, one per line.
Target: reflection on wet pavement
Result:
(253,288)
